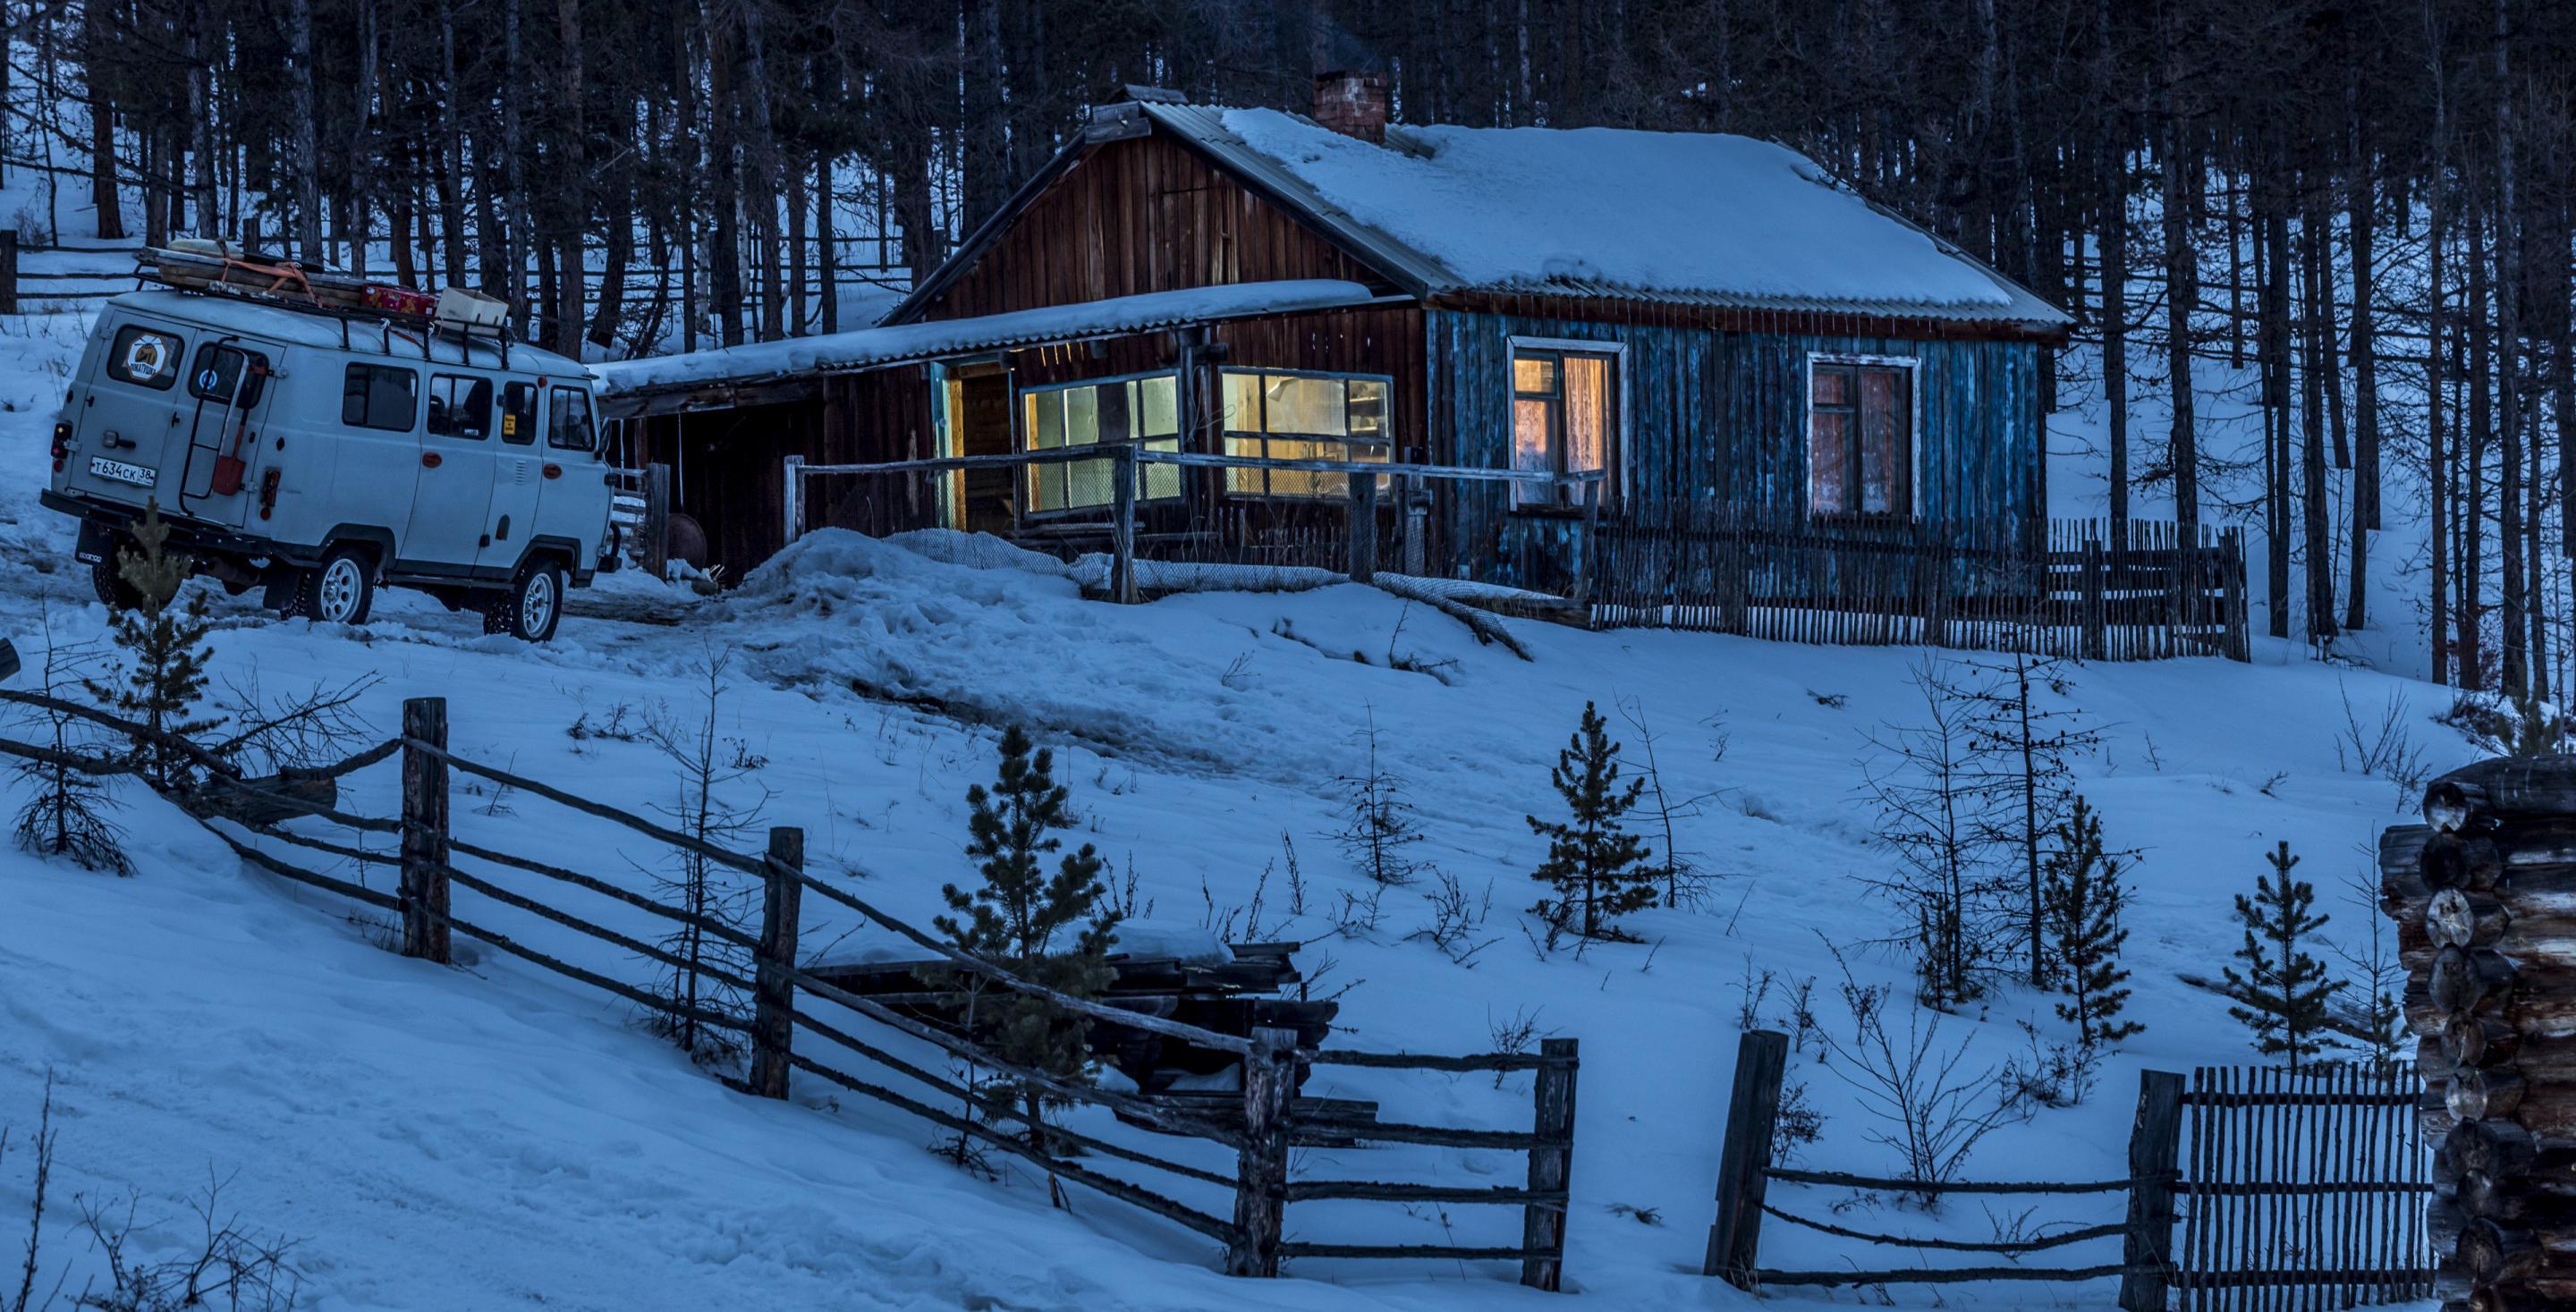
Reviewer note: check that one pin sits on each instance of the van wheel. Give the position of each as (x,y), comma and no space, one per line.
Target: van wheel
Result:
(343,591)
(532,607)
(111,585)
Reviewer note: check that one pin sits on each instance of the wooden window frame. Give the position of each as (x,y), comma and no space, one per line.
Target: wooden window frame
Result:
(1912,368)
(1227,433)
(1028,508)
(1567,499)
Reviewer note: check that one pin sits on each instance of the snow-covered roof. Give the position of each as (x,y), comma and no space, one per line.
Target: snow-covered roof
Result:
(293,327)
(875,348)
(1697,217)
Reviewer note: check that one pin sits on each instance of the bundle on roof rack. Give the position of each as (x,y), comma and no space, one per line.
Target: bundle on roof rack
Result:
(195,264)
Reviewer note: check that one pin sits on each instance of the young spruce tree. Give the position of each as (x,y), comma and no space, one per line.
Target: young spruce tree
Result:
(1018,917)
(2081,899)
(2285,989)
(1599,869)
(164,653)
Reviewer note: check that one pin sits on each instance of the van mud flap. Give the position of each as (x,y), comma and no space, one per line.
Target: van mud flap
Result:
(94,542)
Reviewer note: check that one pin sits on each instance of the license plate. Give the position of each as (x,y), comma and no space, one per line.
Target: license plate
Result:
(120,471)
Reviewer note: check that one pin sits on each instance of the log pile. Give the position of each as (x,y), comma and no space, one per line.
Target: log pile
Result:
(2484,898)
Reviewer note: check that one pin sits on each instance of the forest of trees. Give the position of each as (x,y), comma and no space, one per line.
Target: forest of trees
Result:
(2364,207)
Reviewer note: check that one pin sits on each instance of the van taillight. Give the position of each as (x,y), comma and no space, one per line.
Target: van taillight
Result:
(62,445)
(268,491)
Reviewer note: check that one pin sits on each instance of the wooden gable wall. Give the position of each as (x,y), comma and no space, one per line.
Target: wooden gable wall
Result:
(1142,215)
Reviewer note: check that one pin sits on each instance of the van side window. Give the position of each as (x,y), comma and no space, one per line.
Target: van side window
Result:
(376,396)
(460,406)
(519,413)
(228,374)
(568,425)
(144,358)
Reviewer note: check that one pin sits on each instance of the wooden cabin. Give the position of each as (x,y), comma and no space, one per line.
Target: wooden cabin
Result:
(1705,319)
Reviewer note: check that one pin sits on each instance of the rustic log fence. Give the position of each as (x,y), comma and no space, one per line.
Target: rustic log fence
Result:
(2070,588)
(426,852)
(2484,898)
(2287,1191)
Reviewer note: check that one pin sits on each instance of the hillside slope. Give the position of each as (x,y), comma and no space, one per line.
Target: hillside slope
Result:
(490,1136)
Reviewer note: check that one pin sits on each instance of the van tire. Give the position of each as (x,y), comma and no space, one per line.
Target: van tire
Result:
(342,591)
(533,607)
(106,576)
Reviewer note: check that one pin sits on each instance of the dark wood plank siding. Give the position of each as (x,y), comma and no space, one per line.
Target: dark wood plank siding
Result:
(1722,416)
(728,463)
(1137,216)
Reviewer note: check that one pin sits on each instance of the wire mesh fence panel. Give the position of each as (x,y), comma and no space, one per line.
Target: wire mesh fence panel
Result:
(2303,1190)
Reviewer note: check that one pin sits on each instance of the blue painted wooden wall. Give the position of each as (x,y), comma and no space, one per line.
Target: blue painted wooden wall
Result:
(1723,416)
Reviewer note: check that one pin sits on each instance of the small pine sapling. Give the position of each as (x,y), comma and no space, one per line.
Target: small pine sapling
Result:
(2284,990)
(2026,746)
(65,816)
(1939,816)
(1598,868)
(1016,919)
(1381,827)
(694,977)
(2082,898)
(164,654)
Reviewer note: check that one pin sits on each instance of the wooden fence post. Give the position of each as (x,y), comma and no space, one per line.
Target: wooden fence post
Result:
(1363,527)
(1261,1168)
(1744,1163)
(792,499)
(2231,542)
(8,270)
(773,1024)
(2155,1161)
(424,831)
(1591,492)
(1550,1168)
(2097,638)
(657,520)
(1122,524)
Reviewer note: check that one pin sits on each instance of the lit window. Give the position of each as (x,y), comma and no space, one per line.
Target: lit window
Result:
(1860,439)
(1564,412)
(1283,416)
(1144,410)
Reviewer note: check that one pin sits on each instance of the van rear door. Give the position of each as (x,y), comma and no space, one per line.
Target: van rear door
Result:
(129,443)
(228,389)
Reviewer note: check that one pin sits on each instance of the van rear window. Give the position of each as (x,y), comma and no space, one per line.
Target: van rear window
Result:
(377,396)
(227,374)
(144,357)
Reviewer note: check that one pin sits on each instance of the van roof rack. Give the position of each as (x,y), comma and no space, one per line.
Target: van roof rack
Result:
(220,269)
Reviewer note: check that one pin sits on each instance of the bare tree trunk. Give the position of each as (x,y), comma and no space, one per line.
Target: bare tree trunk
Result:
(2316,544)
(451,158)
(573,186)
(724,254)
(514,169)
(2273,346)
(2361,200)
(760,149)
(2436,466)
(2508,243)
(308,163)
(2473,498)
(2115,332)
(361,132)
(2182,291)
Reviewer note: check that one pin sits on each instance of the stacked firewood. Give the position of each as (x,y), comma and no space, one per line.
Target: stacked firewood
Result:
(2484,897)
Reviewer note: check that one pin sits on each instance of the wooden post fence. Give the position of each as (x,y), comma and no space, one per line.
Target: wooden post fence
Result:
(424,831)
(773,1024)
(1363,528)
(2155,1162)
(656,555)
(1122,524)
(1743,1164)
(1261,1166)
(1551,1166)
(8,270)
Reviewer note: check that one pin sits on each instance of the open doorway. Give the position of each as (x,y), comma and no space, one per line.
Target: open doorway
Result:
(980,406)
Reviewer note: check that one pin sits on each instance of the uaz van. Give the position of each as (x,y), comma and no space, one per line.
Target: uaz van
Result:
(320,454)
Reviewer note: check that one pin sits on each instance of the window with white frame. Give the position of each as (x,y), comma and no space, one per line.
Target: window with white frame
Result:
(1144,410)
(1565,420)
(1860,437)
(1280,415)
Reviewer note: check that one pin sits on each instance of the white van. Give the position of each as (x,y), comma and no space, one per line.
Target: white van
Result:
(320,454)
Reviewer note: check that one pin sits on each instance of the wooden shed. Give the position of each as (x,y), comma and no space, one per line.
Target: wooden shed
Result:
(1703,319)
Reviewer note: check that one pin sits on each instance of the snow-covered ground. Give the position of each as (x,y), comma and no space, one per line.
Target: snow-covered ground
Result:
(494,1136)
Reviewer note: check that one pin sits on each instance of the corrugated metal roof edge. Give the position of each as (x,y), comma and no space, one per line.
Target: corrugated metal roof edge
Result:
(979,346)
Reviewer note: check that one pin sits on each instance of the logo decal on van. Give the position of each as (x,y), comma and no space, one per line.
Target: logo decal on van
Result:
(147,355)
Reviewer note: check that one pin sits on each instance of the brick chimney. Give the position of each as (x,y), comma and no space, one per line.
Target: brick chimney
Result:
(1353,104)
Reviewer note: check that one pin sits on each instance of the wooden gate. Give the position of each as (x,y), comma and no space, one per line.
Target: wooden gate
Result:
(2304,1190)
